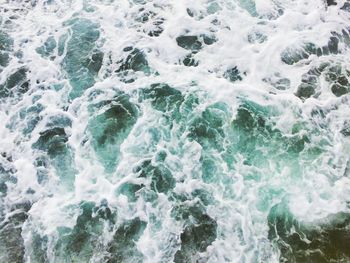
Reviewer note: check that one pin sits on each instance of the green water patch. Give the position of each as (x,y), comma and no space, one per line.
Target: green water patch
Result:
(338,78)
(42,164)
(6,173)
(339,38)
(79,244)
(191,100)
(32,117)
(83,60)
(208,128)
(189,42)
(176,107)
(163,98)
(249,134)
(198,198)
(255,137)
(156,178)
(346,7)
(16,84)
(160,177)
(130,190)
(61,45)
(233,74)
(325,241)
(331,2)
(190,61)
(39,248)
(215,130)
(346,128)
(211,168)
(134,60)
(12,244)
(212,8)
(123,247)
(251,127)
(310,82)
(59,121)
(335,74)
(194,44)
(48,48)
(53,142)
(250,6)
(110,127)
(26,118)
(305,90)
(199,231)
(6,47)
(292,55)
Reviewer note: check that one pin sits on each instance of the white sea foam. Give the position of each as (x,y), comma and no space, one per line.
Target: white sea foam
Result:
(248,35)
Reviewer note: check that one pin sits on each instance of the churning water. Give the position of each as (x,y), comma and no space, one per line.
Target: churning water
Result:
(175,131)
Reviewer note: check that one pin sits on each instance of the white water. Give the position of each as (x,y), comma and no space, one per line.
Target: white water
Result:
(313,185)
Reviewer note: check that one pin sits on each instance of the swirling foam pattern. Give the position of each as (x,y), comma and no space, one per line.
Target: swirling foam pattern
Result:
(175,131)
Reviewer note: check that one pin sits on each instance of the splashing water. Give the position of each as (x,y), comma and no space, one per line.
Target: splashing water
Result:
(175,131)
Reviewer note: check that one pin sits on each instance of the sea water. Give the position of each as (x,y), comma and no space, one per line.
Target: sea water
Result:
(175,131)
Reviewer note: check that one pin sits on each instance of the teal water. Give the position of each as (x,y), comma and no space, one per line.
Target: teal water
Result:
(152,131)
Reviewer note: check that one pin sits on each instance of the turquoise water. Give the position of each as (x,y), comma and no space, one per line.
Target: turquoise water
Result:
(174,131)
